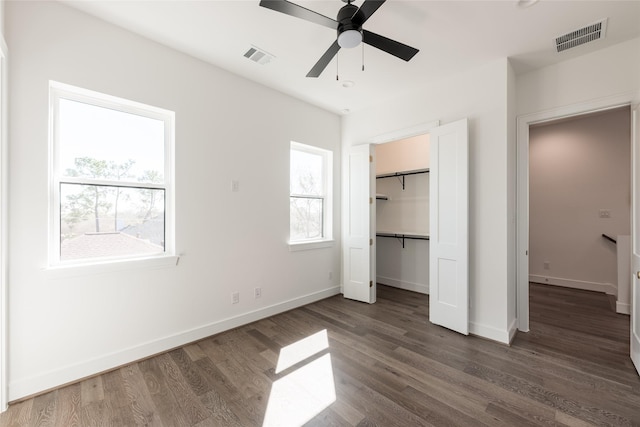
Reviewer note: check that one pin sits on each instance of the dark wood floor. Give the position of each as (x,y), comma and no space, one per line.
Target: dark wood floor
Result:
(385,365)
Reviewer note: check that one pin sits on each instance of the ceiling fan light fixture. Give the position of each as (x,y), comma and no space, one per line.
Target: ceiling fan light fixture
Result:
(349,39)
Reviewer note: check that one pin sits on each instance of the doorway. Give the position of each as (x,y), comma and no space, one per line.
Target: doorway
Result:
(402,213)
(524,124)
(579,203)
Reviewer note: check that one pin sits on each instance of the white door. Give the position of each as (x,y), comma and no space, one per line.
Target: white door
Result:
(3,226)
(358,270)
(635,241)
(449,226)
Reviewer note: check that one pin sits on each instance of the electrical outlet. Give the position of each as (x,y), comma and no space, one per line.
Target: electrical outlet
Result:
(330,275)
(257,292)
(604,213)
(546,265)
(235,297)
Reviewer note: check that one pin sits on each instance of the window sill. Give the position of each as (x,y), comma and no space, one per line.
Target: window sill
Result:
(75,270)
(304,246)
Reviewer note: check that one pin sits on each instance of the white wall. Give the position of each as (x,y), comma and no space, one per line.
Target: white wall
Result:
(485,105)
(601,74)
(63,328)
(406,211)
(403,268)
(403,155)
(576,168)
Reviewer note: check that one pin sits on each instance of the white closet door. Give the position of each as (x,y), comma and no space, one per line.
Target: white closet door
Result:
(635,241)
(449,227)
(359,225)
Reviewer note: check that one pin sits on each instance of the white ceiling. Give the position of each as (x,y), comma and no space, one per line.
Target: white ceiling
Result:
(451,35)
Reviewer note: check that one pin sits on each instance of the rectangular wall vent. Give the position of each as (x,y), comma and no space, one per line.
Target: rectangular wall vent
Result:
(584,35)
(258,55)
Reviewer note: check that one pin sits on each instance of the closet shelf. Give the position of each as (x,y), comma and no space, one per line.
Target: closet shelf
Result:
(401,175)
(381,196)
(401,236)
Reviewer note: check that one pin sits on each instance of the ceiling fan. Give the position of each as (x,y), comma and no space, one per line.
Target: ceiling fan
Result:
(348,24)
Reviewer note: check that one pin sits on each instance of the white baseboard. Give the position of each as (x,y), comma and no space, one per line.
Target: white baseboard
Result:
(623,308)
(607,288)
(491,333)
(71,373)
(409,286)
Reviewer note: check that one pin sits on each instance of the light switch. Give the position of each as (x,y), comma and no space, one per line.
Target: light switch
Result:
(235,185)
(605,213)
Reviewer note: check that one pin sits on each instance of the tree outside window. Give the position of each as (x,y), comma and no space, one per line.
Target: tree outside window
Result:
(308,192)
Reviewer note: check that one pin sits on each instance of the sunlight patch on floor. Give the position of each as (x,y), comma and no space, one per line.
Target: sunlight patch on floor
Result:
(305,392)
(301,350)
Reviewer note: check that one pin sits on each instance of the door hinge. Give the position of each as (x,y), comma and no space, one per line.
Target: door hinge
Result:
(370,242)
(371,283)
(370,159)
(370,200)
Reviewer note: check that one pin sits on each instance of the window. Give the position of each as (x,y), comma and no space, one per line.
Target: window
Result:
(111,178)
(310,190)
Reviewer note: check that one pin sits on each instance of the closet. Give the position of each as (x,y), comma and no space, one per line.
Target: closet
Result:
(402,213)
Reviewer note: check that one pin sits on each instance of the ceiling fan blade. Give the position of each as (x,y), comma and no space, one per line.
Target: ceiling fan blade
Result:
(366,10)
(324,60)
(293,9)
(393,47)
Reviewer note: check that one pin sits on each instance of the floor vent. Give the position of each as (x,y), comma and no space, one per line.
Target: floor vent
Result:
(258,55)
(584,35)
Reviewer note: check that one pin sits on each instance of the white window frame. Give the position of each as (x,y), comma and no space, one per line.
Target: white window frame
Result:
(327,205)
(59,91)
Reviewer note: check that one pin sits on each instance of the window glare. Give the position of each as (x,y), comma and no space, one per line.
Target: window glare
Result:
(115,138)
(306,173)
(309,198)
(306,218)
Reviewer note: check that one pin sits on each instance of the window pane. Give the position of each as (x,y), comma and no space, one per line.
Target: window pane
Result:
(104,221)
(306,173)
(306,218)
(97,142)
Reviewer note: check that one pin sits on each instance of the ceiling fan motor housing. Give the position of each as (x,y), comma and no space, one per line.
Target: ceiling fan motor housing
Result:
(349,32)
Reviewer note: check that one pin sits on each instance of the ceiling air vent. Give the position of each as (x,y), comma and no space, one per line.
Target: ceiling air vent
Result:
(584,35)
(258,55)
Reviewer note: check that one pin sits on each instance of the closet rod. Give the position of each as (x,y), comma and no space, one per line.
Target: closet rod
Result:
(401,175)
(401,237)
(389,175)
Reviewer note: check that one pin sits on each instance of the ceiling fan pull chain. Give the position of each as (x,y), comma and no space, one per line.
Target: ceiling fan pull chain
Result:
(362,56)
(337,65)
